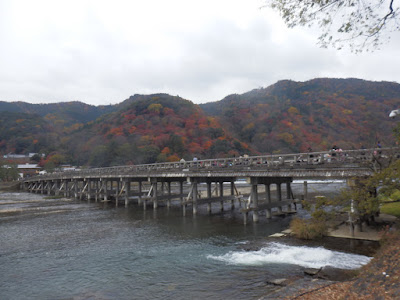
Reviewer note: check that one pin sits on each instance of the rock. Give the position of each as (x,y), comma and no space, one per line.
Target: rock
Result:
(335,274)
(277,235)
(279,281)
(312,271)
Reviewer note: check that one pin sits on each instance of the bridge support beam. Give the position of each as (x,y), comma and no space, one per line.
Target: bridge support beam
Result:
(194,197)
(127,192)
(155,193)
(279,191)
(221,194)
(268,198)
(254,200)
(169,194)
(209,196)
(232,194)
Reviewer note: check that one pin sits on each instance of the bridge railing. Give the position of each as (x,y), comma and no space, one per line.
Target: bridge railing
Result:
(325,158)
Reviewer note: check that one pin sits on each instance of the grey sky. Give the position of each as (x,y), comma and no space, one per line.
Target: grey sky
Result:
(101,52)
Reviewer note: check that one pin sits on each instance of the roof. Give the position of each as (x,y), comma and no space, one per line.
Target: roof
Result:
(28,166)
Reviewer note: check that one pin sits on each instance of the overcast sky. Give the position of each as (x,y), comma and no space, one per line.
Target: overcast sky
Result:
(101,52)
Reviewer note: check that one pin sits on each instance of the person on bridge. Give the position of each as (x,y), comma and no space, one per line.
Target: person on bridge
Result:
(183,162)
(195,161)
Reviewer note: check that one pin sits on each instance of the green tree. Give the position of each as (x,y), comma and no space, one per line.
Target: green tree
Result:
(362,198)
(8,172)
(98,156)
(36,158)
(361,24)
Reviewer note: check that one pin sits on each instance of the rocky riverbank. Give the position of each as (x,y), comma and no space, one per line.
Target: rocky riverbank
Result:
(377,280)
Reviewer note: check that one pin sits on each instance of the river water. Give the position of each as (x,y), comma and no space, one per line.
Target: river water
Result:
(65,249)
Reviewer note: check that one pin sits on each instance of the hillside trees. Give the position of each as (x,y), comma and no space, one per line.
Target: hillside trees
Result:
(154,128)
(21,133)
(286,117)
(292,116)
(361,24)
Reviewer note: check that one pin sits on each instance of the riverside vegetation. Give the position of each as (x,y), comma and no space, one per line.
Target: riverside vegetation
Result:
(362,201)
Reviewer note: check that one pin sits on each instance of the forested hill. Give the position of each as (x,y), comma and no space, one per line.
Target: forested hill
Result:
(286,117)
(62,113)
(152,128)
(293,116)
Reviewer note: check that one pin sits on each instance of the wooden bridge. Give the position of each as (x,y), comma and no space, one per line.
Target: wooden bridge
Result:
(204,182)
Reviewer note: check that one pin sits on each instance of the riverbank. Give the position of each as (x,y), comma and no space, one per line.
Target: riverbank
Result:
(377,280)
(11,186)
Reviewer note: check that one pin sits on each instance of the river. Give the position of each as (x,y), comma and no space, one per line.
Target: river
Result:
(66,249)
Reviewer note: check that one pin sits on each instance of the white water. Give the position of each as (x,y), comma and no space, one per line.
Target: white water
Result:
(297,255)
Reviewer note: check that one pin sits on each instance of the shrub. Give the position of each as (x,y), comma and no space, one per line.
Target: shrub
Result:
(391,209)
(308,229)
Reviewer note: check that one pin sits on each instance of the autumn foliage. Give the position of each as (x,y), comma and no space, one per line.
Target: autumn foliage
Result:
(285,117)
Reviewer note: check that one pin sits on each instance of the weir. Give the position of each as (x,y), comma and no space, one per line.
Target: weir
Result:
(206,182)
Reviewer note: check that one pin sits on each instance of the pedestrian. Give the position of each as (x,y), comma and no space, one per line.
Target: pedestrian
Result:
(195,161)
(183,162)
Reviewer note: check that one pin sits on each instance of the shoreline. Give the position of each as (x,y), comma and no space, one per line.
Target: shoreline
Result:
(333,283)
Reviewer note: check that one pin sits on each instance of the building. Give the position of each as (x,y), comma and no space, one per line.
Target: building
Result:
(26,170)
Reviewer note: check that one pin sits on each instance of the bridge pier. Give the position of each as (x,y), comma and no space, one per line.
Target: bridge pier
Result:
(279,191)
(181,191)
(268,200)
(105,191)
(221,194)
(42,187)
(127,192)
(169,194)
(254,200)
(140,193)
(75,186)
(96,190)
(305,190)
(254,205)
(232,194)
(57,188)
(194,195)
(209,196)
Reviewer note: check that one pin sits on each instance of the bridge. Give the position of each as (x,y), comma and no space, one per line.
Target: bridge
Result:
(209,181)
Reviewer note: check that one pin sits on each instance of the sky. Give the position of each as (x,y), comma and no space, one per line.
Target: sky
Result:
(101,52)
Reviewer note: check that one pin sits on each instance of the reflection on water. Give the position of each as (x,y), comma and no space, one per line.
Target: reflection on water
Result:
(64,249)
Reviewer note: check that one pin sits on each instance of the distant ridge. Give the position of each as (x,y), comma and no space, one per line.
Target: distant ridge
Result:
(287,116)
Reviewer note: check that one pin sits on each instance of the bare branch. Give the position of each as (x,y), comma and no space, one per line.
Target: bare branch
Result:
(356,24)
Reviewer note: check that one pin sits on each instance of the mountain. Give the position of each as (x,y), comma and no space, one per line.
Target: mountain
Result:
(285,117)
(24,133)
(294,116)
(151,128)
(60,114)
